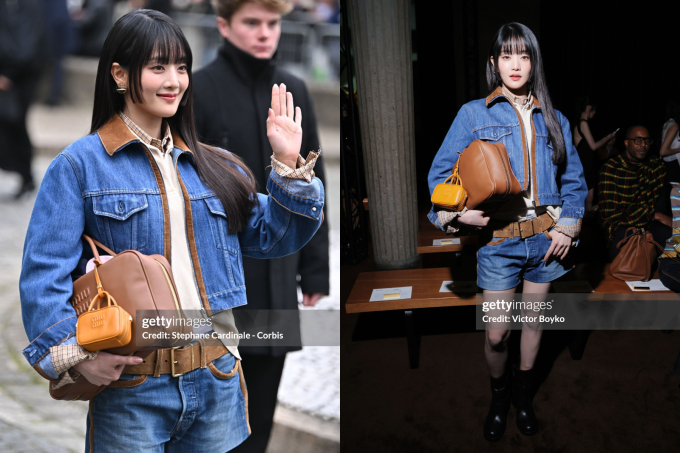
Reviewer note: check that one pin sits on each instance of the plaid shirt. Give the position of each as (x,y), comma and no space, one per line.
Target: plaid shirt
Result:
(629,191)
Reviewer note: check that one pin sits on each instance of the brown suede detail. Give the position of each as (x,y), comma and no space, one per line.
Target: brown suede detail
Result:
(167,245)
(192,247)
(115,134)
(499,92)
(179,143)
(220,375)
(90,414)
(244,390)
(533,160)
(37,368)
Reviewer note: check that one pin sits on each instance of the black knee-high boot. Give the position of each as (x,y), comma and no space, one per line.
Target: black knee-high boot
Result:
(494,426)
(521,399)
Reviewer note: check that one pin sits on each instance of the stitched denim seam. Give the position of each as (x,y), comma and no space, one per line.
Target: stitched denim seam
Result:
(120,217)
(55,344)
(295,212)
(281,234)
(94,193)
(36,338)
(226,291)
(292,194)
(75,171)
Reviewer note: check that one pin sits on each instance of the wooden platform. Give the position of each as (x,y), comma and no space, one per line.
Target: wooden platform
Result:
(427,282)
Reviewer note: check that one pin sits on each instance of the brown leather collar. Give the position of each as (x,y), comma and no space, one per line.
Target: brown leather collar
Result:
(498,92)
(115,136)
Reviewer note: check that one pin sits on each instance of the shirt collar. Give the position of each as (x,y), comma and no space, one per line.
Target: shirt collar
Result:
(164,145)
(115,135)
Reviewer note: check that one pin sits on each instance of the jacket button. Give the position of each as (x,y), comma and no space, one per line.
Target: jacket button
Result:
(314,209)
(120,206)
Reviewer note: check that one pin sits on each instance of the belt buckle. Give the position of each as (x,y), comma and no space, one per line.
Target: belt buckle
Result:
(173,361)
(523,227)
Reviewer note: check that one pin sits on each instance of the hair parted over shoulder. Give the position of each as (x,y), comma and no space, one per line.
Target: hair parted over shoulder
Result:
(515,38)
(227,8)
(132,42)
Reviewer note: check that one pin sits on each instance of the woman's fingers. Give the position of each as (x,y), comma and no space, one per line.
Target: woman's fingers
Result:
(290,110)
(282,100)
(553,245)
(275,99)
(298,116)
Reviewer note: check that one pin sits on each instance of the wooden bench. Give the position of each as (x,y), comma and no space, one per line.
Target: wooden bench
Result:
(426,284)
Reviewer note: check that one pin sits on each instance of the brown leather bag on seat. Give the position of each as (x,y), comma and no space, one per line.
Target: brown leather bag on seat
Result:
(637,252)
(486,173)
(137,282)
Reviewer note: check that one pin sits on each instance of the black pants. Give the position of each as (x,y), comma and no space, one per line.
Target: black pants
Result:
(262,375)
(15,146)
(660,232)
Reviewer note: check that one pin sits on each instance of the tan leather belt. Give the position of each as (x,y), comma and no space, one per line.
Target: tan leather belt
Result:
(527,228)
(178,361)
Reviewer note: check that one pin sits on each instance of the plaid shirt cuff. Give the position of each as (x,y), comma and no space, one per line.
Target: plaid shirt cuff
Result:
(64,358)
(446,217)
(304,170)
(569,230)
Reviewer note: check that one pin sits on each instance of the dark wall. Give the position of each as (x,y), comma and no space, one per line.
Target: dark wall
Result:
(628,57)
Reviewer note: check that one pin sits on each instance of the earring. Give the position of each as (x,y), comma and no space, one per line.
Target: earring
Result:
(121,89)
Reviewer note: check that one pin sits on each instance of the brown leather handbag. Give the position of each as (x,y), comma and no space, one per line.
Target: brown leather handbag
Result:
(486,173)
(137,282)
(637,252)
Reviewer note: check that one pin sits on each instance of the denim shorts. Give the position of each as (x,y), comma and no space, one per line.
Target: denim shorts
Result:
(504,262)
(203,410)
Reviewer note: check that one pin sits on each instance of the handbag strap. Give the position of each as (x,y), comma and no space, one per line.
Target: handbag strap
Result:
(457,179)
(94,244)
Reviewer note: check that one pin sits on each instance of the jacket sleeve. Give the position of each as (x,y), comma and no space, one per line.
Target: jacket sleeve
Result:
(285,220)
(52,250)
(572,183)
(457,139)
(313,268)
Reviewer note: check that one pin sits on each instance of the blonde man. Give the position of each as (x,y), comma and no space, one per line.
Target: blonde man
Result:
(230,96)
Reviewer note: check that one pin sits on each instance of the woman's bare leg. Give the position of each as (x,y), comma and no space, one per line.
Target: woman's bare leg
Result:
(531,332)
(497,334)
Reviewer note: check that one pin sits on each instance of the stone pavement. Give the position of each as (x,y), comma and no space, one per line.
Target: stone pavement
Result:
(30,421)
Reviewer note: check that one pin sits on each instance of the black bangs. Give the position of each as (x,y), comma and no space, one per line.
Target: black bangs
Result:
(158,41)
(514,45)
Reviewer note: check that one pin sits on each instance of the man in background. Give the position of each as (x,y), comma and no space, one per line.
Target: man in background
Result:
(231,98)
(630,190)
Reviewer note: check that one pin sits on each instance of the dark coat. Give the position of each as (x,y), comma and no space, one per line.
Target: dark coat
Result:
(231,98)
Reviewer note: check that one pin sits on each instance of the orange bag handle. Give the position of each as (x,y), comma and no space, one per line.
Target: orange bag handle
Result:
(101,293)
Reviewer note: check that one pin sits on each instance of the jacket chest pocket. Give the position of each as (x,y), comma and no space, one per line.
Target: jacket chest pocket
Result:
(495,134)
(122,220)
(227,243)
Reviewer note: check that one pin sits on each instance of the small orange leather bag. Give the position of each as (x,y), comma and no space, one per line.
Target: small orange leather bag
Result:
(106,327)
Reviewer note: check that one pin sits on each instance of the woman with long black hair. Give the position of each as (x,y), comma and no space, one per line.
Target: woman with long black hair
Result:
(526,240)
(141,180)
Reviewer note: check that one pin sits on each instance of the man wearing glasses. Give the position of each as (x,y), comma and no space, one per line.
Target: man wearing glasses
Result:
(630,191)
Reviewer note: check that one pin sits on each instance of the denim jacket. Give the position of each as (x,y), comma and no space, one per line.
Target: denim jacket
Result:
(107,185)
(494,119)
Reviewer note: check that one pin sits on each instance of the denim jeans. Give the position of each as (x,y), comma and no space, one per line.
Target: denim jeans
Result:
(200,411)
(503,263)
